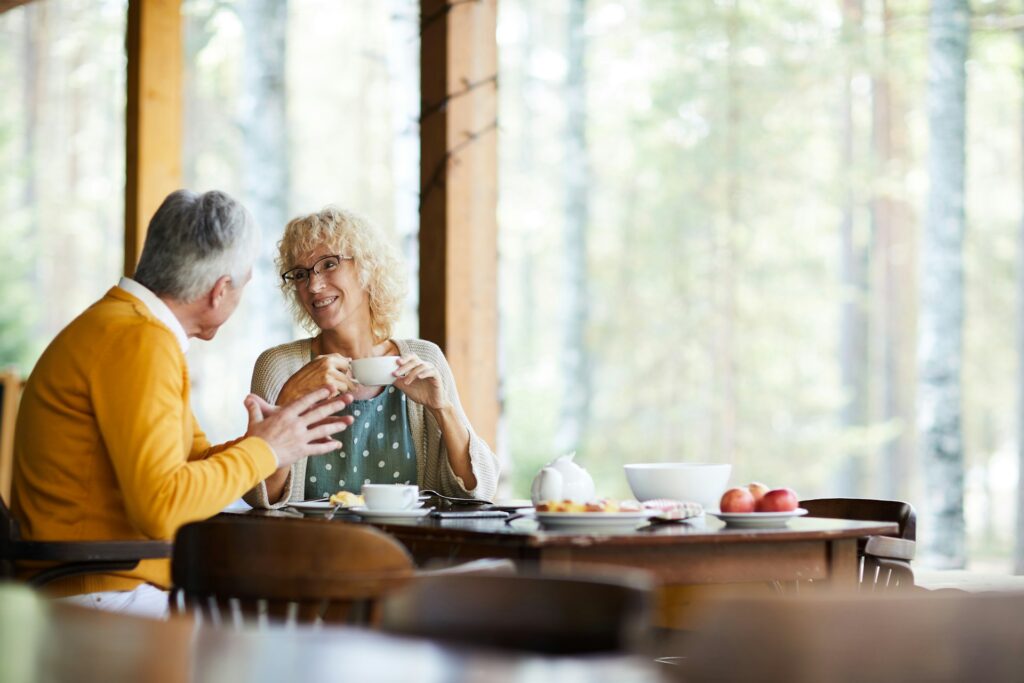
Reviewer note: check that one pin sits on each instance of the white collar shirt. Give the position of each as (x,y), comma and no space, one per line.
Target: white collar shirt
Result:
(157,307)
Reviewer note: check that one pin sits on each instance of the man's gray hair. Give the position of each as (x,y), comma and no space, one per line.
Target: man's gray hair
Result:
(193,240)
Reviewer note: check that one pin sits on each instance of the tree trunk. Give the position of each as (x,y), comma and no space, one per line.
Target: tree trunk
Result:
(404,94)
(576,366)
(940,344)
(725,400)
(38,20)
(1018,551)
(891,230)
(526,161)
(34,15)
(853,339)
(265,159)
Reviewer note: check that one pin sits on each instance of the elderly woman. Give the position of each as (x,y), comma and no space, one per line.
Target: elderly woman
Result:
(346,284)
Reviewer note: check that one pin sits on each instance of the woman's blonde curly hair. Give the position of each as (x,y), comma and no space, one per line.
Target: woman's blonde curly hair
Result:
(381,271)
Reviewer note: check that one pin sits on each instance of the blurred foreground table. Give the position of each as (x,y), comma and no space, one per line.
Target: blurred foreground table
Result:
(42,641)
(945,637)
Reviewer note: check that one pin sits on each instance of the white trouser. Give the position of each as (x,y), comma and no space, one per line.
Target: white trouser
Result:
(144,601)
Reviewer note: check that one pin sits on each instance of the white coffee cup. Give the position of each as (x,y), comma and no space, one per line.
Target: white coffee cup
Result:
(391,496)
(376,371)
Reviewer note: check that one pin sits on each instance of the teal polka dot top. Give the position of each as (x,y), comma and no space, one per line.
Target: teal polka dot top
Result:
(376,449)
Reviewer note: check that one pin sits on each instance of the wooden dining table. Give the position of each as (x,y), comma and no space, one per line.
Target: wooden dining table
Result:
(678,556)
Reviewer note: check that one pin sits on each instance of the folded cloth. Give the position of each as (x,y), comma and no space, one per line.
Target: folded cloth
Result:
(674,510)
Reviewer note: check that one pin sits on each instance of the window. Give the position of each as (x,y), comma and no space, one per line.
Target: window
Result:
(61,167)
(713,256)
(320,108)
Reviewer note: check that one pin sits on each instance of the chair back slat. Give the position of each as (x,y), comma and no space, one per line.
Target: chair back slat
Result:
(287,570)
(549,614)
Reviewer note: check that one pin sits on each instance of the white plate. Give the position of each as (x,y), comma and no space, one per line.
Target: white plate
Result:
(390,515)
(594,521)
(757,520)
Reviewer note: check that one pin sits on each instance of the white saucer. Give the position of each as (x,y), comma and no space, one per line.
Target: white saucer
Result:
(387,515)
(311,505)
(757,520)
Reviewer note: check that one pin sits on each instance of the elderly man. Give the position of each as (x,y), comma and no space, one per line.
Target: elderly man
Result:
(106,445)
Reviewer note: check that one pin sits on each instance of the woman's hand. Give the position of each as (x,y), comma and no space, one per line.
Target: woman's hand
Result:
(330,370)
(420,381)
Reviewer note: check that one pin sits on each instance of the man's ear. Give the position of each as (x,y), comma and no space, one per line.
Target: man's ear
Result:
(220,288)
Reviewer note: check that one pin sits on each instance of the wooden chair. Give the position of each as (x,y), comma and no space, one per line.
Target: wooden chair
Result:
(885,561)
(65,558)
(10,395)
(547,614)
(69,558)
(234,569)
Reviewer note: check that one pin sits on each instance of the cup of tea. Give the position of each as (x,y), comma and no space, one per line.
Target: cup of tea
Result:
(376,371)
(391,496)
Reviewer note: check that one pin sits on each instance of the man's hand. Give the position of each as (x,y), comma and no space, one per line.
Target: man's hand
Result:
(300,428)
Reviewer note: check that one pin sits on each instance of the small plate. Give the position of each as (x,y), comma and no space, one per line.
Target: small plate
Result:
(391,515)
(594,521)
(757,520)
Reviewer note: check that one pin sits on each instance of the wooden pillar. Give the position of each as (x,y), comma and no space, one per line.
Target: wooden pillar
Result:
(11,4)
(154,116)
(458,198)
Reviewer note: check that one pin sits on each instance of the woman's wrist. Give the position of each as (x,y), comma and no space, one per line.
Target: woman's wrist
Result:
(443,413)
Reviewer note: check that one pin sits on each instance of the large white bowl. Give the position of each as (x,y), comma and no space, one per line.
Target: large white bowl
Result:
(703,483)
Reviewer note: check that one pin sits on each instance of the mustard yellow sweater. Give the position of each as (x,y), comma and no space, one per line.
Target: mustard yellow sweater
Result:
(107,448)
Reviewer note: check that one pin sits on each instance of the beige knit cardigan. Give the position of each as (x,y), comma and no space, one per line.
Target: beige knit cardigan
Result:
(275,366)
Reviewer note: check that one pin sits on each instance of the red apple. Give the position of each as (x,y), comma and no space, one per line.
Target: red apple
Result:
(778,500)
(757,489)
(738,499)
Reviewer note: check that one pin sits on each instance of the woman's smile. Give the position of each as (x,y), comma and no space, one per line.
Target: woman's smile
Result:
(324,302)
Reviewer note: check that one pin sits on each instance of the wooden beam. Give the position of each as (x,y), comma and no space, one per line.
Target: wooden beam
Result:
(153,118)
(11,4)
(458,198)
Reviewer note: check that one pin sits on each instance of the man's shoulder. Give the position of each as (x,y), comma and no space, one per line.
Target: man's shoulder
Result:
(122,313)
(115,327)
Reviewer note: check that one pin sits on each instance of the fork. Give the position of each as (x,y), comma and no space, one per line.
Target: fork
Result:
(330,513)
(453,499)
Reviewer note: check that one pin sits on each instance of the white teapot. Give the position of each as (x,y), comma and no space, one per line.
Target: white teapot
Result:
(562,479)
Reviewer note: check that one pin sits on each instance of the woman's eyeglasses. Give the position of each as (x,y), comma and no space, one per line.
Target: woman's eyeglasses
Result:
(300,275)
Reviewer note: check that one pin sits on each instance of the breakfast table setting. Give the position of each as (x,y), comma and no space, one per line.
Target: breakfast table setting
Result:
(675,529)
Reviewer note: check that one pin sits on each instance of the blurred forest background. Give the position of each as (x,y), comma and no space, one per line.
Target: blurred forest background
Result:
(715,221)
